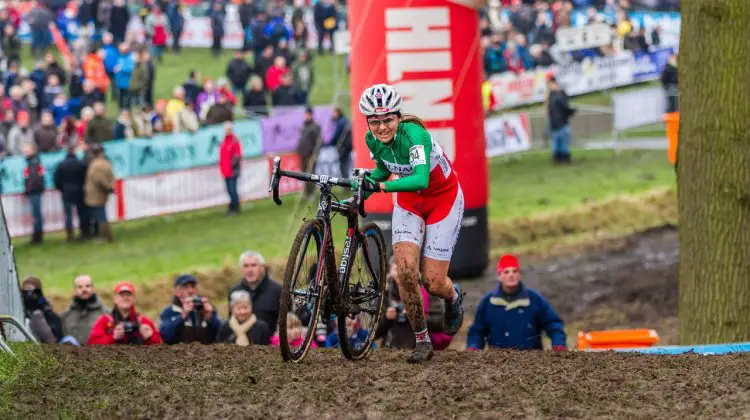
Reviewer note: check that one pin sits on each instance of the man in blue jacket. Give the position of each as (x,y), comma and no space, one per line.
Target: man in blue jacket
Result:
(513,316)
(190,318)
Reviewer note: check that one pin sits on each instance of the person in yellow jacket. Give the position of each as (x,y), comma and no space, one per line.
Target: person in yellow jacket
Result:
(175,104)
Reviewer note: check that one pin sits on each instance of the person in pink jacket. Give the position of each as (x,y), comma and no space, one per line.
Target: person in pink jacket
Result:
(395,329)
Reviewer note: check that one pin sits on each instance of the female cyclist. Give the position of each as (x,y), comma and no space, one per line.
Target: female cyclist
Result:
(428,210)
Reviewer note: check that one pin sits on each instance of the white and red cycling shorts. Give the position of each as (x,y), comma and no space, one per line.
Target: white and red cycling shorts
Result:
(434,219)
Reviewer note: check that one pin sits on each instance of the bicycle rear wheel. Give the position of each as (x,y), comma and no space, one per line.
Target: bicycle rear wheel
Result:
(304,290)
(362,295)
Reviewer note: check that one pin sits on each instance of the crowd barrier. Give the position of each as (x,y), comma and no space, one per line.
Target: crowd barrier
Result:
(590,75)
(638,107)
(176,173)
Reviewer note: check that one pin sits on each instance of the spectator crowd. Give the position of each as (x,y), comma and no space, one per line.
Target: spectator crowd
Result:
(54,104)
(520,35)
(510,316)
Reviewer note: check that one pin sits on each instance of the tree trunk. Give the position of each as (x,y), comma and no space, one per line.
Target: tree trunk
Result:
(714,172)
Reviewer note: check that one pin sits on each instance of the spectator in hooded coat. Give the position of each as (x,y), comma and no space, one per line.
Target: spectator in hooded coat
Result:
(238,72)
(45,323)
(514,316)
(230,161)
(70,177)
(33,176)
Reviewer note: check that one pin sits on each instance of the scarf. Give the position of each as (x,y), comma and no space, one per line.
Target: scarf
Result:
(241,330)
(83,304)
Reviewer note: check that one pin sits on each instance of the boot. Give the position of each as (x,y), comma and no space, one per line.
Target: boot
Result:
(105,232)
(421,353)
(69,235)
(36,238)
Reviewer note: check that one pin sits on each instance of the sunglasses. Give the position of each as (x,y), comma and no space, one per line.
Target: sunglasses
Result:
(376,123)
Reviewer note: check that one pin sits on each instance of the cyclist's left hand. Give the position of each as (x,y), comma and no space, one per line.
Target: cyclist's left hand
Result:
(354,184)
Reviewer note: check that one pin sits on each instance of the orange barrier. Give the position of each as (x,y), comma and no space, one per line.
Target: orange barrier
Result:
(672,120)
(617,339)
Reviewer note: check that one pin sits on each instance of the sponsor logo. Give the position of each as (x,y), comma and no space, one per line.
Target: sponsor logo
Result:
(345,256)
(469,221)
(382,109)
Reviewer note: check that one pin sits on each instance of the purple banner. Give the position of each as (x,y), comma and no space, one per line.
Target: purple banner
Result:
(282,130)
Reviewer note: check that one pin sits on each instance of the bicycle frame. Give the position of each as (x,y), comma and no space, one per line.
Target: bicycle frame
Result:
(325,207)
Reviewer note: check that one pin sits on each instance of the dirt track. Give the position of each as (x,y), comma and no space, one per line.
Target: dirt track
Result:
(632,283)
(226,381)
(629,283)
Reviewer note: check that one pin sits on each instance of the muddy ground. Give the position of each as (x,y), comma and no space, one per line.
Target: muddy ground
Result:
(626,283)
(201,382)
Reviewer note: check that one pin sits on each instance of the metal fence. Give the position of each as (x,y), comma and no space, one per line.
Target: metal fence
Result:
(10,292)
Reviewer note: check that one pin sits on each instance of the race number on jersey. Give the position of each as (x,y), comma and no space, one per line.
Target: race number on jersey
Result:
(417,156)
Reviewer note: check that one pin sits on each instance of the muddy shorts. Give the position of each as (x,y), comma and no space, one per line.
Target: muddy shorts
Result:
(434,220)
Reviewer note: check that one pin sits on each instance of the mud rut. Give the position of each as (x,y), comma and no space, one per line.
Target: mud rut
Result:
(634,283)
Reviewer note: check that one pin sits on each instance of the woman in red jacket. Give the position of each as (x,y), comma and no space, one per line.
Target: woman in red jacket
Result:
(230,158)
(124,325)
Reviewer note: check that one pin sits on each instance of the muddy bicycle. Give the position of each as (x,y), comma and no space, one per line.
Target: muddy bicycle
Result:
(313,292)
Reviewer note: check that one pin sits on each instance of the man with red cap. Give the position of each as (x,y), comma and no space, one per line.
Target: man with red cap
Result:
(513,316)
(124,325)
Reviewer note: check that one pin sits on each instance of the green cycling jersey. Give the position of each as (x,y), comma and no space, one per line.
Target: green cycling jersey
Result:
(412,155)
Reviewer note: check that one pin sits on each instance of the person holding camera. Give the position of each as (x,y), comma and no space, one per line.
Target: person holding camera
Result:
(45,324)
(395,328)
(124,325)
(191,318)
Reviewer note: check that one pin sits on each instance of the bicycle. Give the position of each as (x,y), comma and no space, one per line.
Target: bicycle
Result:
(355,303)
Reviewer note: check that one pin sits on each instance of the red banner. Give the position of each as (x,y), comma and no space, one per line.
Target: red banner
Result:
(429,50)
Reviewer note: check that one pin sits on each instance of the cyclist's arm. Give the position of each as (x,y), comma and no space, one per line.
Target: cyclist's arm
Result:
(419,158)
(379,174)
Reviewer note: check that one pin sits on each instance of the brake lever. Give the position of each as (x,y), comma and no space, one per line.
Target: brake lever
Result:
(275,180)
(360,194)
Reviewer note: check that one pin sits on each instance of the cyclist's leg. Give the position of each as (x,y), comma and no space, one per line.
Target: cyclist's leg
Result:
(408,231)
(444,225)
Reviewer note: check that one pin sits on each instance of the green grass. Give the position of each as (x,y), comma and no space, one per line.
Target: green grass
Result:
(28,367)
(523,185)
(527,184)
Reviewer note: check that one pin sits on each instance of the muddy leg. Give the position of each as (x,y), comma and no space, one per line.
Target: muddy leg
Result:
(436,279)
(407,263)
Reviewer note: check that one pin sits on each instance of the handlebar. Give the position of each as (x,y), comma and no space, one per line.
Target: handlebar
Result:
(277,173)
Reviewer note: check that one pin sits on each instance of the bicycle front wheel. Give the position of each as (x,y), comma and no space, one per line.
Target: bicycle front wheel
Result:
(304,290)
(362,295)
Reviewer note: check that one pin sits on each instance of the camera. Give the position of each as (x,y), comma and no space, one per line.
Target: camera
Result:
(130,327)
(400,311)
(197,303)
(32,294)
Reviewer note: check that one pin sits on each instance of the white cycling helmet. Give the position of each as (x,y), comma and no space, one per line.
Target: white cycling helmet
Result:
(380,99)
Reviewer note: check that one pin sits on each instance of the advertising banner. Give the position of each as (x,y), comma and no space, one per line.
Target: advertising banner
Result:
(282,129)
(583,37)
(430,51)
(168,152)
(507,133)
(190,189)
(590,75)
(20,222)
(650,65)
